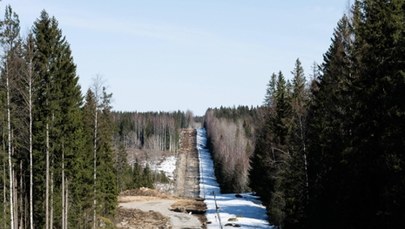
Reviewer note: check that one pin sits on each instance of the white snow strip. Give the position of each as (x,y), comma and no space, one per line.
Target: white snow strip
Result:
(246,211)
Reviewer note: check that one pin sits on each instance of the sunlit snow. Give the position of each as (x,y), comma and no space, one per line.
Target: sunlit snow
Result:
(246,210)
(168,165)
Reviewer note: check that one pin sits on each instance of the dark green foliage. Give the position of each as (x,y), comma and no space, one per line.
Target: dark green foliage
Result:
(57,104)
(328,133)
(343,153)
(106,178)
(277,154)
(270,91)
(145,177)
(356,133)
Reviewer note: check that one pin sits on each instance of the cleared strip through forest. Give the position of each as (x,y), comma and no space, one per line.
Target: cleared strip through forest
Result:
(187,169)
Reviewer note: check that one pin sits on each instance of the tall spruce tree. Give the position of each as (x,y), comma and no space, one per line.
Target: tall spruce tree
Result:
(57,121)
(271,155)
(270,90)
(83,193)
(329,132)
(295,180)
(379,115)
(106,182)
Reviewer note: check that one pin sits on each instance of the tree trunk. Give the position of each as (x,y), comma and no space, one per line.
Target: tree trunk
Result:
(15,196)
(47,179)
(95,168)
(10,163)
(30,142)
(51,200)
(66,204)
(304,147)
(4,195)
(63,188)
(22,192)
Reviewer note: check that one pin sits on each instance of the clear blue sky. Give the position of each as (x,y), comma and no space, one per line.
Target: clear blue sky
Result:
(166,55)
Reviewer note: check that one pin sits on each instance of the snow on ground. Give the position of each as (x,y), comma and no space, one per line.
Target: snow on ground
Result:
(245,210)
(168,165)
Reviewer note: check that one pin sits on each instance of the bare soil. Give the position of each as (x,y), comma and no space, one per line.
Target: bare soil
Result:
(187,167)
(151,209)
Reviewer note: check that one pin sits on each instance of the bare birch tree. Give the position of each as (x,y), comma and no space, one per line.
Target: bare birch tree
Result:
(27,94)
(97,90)
(10,30)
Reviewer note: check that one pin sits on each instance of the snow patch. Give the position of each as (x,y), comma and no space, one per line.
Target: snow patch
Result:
(168,165)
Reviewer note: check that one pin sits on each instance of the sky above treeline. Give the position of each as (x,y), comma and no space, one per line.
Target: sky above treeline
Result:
(167,55)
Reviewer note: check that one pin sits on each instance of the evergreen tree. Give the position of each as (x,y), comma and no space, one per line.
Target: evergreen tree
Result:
(271,154)
(295,181)
(57,129)
(83,188)
(106,181)
(329,131)
(271,88)
(379,115)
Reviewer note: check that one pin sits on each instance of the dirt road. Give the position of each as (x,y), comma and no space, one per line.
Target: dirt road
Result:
(178,220)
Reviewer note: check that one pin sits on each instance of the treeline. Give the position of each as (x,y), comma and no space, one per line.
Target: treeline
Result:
(151,130)
(231,136)
(148,131)
(331,154)
(132,175)
(279,163)
(56,160)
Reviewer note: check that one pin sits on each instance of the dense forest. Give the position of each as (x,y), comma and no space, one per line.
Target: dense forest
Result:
(330,153)
(151,130)
(231,134)
(56,160)
(325,150)
(143,137)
